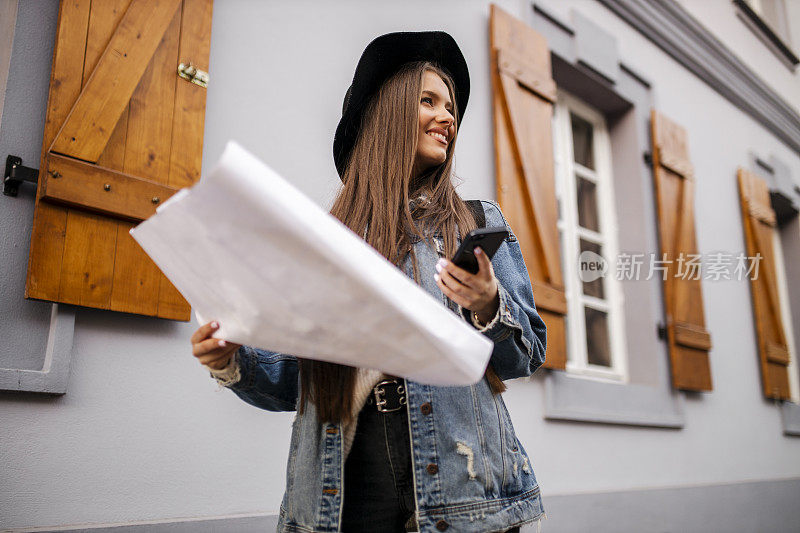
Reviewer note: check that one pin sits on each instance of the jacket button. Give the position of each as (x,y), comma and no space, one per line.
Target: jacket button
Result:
(425,408)
(432,469)
(441,525)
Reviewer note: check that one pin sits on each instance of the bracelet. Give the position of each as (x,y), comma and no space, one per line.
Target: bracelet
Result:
(476,319)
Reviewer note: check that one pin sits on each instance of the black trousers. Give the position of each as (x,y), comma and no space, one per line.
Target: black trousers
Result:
(378,478)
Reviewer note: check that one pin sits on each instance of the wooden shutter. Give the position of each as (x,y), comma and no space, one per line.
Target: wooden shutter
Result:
(123,133)
(758,218)
(523,97)
(689,342)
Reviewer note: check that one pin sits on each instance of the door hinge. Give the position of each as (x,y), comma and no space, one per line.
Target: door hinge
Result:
(193,74)
(15,174)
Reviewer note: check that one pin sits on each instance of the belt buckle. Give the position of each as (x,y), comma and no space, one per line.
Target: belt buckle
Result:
(380,392)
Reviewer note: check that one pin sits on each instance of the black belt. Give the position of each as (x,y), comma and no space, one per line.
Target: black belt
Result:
(389,395)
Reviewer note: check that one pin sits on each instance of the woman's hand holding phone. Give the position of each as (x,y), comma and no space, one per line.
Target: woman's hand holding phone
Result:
(214,353)
(476,292)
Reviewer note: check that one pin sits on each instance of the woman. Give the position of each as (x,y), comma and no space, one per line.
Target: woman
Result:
(371,452)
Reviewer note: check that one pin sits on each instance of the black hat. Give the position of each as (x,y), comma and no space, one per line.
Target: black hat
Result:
(382,58)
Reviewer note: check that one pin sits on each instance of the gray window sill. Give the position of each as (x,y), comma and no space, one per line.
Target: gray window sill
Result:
(790,416)
(575,398)
(54,375)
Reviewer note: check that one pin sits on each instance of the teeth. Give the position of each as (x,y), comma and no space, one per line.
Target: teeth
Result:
(438,136)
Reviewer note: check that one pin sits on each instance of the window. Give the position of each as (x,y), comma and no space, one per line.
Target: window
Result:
(587,230)
(768,20)
(773,13)
(786,315)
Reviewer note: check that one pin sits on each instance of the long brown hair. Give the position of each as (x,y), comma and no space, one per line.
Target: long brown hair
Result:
(377,186)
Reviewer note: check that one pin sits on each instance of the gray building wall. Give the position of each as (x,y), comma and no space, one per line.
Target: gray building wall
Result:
(142,436)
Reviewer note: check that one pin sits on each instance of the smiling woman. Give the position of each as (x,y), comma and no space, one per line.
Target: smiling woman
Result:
(371,452)
(436,123)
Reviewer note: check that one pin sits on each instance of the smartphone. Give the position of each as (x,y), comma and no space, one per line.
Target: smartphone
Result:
(489,239)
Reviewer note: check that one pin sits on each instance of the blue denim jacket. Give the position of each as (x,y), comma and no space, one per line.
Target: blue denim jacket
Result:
(483,480)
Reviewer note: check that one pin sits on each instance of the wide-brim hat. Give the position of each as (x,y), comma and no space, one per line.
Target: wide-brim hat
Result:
(382,58)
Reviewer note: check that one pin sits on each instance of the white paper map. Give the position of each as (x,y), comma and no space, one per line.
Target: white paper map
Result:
(245,247)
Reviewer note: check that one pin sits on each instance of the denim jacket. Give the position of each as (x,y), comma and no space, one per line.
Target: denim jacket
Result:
(471,473)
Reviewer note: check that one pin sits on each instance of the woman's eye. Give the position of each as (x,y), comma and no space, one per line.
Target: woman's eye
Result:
(430,101)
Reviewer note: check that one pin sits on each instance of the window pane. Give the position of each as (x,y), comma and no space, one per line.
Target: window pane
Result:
(587,204)
(595,287)
(582,141)
(755,5)
(774,14)
(597,345)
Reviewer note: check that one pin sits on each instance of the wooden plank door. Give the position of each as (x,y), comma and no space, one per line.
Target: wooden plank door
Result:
(759,222)
(523,97)
(689,342)
(123,133)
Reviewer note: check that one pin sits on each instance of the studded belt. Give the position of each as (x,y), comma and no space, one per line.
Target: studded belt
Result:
(389,395)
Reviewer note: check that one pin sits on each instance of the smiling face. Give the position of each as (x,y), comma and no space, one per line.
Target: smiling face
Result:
(436,123)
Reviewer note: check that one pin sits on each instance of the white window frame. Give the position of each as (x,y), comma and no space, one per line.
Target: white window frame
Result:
(566,169)
(786,314)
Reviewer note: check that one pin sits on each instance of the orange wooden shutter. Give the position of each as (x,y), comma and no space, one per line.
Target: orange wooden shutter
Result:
(123,133)
(523,97)
(759,223)
(689,342)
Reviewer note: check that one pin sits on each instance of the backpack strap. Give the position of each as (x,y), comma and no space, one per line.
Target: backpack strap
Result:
(477,211)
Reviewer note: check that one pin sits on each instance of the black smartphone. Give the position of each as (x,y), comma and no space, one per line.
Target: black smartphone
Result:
(489,239)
